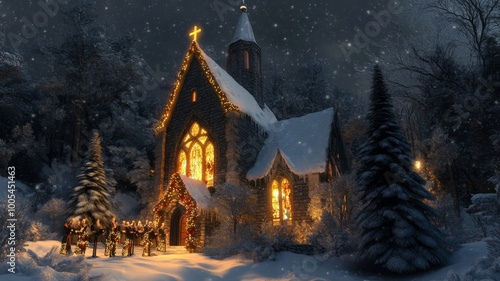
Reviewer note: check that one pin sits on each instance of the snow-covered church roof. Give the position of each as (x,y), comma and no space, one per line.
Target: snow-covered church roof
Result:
(225,86)
(239,96)
(178,186)
(243,30)
(302,141)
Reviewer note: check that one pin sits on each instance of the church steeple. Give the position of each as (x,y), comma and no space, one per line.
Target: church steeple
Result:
(244,58)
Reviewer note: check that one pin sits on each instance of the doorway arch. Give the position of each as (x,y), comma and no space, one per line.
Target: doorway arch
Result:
(178,229)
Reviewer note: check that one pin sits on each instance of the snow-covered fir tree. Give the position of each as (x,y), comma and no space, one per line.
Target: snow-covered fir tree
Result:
(396,231)
(90,74)
(90,197)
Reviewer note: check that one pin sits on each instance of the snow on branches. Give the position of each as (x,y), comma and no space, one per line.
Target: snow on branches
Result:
(90,197)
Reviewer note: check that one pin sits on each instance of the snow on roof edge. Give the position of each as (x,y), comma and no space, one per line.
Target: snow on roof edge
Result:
(304,152)
(256,173)
(198,190)
(238,95)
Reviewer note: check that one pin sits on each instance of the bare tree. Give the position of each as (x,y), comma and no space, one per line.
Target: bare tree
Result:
(476,19)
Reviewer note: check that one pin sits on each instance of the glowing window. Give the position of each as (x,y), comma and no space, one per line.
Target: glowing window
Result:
(209,163)
(281,202)
(193,95)
(276,201)
(286,204)
(182,163)
(195,129)
(247,59)
(196,157)
(196,161)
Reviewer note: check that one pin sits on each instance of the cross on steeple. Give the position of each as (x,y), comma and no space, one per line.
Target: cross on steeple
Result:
(195,32)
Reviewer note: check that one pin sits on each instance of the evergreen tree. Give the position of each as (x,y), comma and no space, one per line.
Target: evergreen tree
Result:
(90,73)
(396,233)
(18,101)
(90,198)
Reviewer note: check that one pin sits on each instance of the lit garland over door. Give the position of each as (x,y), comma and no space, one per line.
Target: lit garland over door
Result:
(196,156)
(281,203)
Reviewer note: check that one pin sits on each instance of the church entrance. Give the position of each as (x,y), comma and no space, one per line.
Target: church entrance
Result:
(178,231)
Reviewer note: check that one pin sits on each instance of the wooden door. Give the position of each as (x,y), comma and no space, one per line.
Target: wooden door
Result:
(183,231)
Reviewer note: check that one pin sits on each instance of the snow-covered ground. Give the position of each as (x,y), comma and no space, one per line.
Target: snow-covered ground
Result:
(181,266)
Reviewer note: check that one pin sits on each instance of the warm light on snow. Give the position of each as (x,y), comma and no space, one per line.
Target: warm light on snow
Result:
(190,267)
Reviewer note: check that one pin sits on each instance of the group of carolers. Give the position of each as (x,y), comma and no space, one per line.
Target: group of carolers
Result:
(126,233)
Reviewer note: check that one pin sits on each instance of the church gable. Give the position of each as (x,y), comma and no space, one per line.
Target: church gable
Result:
(193,100)
(303,142)
(284,194)
(194,75)
(231,95)
(207,94)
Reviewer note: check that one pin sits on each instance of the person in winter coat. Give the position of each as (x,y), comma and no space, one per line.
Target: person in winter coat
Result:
(97,230)
(66,240)
(113,239)
(83,238)
(161,238)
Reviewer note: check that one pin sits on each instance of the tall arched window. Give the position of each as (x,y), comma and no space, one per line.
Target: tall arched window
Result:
(246,54)
(281,194)
(196,155)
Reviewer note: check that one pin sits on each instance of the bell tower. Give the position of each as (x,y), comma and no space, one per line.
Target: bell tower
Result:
(244,58)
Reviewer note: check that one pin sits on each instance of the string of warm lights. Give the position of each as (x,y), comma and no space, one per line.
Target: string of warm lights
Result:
(194,51)
(177,192)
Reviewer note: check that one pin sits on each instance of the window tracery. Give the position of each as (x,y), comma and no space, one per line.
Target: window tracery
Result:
(281,202)
(196,157)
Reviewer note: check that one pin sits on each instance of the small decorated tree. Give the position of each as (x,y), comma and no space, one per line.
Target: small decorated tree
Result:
(90,197)
(396,232)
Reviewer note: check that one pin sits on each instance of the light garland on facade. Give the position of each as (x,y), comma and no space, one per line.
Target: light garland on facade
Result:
(194,51)
(177,193)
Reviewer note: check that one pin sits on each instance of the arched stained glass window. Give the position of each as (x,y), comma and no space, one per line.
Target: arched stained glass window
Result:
(286,204)
(209,163)
(281,202)
(275,189)
(196,157)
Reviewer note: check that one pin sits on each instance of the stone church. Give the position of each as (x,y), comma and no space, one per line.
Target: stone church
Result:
(216,128)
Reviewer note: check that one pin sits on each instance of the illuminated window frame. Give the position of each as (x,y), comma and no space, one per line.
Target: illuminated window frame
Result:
(196,156)
(194,95)
(281,201)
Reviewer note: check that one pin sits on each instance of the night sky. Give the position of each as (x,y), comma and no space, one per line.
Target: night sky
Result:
(290,33)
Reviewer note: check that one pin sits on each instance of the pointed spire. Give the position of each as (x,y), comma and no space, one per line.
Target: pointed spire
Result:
(244,29)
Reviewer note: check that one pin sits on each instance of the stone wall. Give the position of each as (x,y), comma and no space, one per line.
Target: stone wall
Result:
(245,139)
(207,111)
(300,192)
(250,79)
